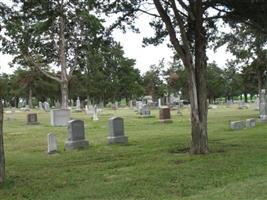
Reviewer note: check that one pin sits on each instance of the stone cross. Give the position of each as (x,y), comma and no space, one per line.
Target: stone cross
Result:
(76,136)
(52,143)
(116,131)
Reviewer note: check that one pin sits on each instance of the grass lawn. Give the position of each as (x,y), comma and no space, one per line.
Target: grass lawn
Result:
(154,165)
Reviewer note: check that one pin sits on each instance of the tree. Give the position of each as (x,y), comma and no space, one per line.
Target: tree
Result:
(2,153)
(215,82)
(50,33)
(153,81)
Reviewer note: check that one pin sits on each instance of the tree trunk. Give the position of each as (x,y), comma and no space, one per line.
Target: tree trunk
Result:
(196,71)
(64,75)
(30,97)
(197,87)
(246,97)
(2,152)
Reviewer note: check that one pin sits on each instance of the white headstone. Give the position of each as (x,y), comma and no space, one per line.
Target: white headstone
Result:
(78,104)
(52,143)
(60,117)
(95,117)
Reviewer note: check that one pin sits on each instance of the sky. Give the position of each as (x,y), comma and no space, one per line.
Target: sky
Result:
(132,45)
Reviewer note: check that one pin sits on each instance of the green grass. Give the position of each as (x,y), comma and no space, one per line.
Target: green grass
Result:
(154,165)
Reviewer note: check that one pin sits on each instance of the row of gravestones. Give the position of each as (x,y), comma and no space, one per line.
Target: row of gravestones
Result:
(60,117)
(248,123)
(76,135)
(164,113)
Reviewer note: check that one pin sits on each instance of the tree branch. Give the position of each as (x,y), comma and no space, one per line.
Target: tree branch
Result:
(31,61)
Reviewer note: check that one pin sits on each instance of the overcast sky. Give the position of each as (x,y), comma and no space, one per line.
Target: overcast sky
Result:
(132,44)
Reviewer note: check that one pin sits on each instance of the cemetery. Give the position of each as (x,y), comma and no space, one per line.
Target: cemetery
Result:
(129,100)
(151,158)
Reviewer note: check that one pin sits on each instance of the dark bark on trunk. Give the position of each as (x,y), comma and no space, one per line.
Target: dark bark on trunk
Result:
(199,108)
(2,152)
(196,71)
(64,76)
(246,97)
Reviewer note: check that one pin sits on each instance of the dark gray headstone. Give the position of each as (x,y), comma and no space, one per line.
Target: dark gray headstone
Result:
(32,119)
(76,137)
(116,131)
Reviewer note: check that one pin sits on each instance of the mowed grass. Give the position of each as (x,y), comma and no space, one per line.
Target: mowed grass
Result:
(154,165)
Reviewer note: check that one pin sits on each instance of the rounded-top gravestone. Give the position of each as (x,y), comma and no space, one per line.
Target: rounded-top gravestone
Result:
(116,131)
(76,136)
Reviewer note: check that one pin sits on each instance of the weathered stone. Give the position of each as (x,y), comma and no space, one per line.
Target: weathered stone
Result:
(250,123)
(145,112)
(60,117)
(46,106)
(116,131)
(237,124)
(32,119)
(52,143)
(76,137)
(263,106)
(165,115)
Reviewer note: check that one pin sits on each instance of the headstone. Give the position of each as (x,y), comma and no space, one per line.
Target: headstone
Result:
(159,102)
(165,115)
(257,103)
(60,117)
(76,137)
(229,103)
(32,119)
(46,106)
(237,124)
(145,111)
(52,143)
(95,117)
(78,104)
(242,105)
(263,106)
(40,105)
(131,104)
(57,105)
(250,123)
(116,131)
(139,105)
(179,112)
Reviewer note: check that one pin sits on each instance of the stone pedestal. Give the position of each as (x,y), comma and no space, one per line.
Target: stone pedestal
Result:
(60,117)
